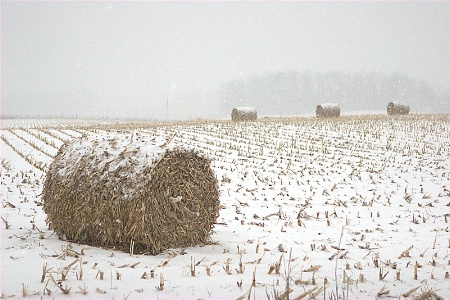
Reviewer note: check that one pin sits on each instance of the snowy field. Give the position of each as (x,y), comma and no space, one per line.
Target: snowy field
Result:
(352,208)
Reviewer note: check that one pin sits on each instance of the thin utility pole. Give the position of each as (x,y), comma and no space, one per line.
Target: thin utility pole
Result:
(167,105)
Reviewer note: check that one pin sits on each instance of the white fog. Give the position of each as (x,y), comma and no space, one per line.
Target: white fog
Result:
(125,59)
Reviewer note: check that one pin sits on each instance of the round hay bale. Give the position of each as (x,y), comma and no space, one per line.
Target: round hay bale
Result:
(244,114)
(328,110)
(131,191)
(397,108)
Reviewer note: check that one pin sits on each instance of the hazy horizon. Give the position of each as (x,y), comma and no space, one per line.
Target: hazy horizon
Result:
(126,59)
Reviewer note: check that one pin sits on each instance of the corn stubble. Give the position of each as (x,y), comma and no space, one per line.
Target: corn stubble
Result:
(255,147)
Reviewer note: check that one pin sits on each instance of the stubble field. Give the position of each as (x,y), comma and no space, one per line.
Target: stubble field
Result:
(352,208)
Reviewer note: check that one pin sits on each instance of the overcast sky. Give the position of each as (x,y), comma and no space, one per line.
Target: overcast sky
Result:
(126,57)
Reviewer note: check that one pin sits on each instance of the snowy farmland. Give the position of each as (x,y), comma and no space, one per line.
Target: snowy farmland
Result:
(355,207)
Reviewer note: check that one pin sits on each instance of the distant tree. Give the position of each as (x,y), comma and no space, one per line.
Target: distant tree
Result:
(293,93)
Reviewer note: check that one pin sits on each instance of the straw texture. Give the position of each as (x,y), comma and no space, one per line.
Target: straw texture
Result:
(244,114)
(397,108)
(328,110)
(118,190)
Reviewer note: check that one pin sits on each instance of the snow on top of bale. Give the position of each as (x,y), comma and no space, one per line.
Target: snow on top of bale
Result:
(399,103)
(113,151)
(246,109)
(329,105)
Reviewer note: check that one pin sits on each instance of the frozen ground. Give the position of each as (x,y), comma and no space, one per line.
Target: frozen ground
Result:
(355,208)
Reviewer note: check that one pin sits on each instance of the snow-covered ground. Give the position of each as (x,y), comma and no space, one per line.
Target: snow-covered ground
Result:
(351,207)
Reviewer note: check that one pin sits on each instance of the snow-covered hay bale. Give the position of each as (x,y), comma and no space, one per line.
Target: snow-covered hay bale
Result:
(328,110)
(397,108)
(244,114)
(131,191)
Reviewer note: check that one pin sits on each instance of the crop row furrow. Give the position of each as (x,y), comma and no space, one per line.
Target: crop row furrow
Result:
(40,165)
(34,143)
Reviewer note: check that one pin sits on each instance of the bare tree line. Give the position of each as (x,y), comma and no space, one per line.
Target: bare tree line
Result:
(292,92)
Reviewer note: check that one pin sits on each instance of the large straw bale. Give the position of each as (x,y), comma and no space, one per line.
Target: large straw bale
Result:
(328,110)
(244,114)
(114,190)
(397,108)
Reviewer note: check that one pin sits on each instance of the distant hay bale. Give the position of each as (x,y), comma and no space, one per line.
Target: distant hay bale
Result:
(134,192)
(397,108)
(328,110)
(244,114)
